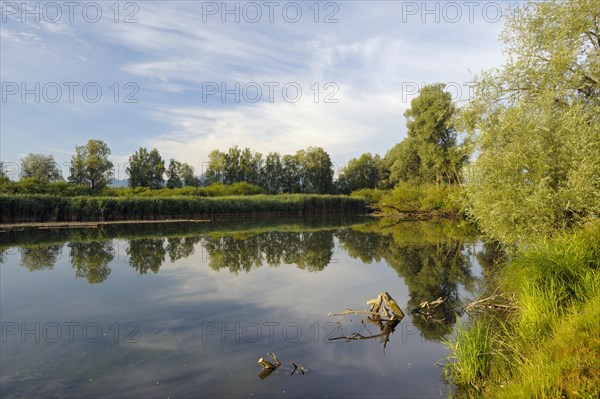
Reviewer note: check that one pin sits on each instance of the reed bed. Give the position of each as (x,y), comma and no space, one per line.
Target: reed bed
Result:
(48,208)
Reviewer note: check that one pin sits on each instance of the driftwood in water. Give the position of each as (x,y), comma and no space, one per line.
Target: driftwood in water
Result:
(269,368)
(392,305)
(427,311)
(378,308)
(429,305)
(266,364)
(386,327)
(384,313)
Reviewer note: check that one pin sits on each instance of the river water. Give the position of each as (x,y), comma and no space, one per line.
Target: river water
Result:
(186,310)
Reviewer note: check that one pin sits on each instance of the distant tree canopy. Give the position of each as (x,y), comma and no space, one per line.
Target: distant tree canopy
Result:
(90,165)
(536,123)
(146,169)
(430,153)
(307,171)
(40,167)
(367,171)
(180,174)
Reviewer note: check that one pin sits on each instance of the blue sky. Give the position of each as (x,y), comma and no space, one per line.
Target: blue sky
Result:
(171,59)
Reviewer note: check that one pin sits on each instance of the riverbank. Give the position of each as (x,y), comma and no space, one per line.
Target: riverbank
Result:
(415,202)
(49,208)
(548,346)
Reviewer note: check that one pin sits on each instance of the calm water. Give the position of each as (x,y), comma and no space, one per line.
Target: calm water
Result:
(186,310)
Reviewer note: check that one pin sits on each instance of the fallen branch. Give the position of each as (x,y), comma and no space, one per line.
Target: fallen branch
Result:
(429,305)
(490,302)
(351,311)
(384,312)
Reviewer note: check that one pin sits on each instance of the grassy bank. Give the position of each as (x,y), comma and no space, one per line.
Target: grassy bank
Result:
(549,346)
(47,208)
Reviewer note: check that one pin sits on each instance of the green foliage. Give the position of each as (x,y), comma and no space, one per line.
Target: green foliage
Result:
(316,170)
(364,172)
(536,123)
(373,195)
(434,200)
(272,173)
(40,208)
(471,358)
(180,174)
(173,177)
(430,153)
(214,190)
(40,167)
(549,346)
(186,173)
(307,171)
(404,163)
(146,169)
(34,186)
(90,165)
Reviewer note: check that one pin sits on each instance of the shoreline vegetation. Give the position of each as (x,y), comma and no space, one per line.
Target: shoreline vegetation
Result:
(538,335)
(48,208)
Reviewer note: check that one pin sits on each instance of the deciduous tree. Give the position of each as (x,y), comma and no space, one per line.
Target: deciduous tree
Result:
(90,165)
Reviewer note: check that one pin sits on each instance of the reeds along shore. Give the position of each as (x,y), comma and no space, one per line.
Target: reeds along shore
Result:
(547,347)
(47,208)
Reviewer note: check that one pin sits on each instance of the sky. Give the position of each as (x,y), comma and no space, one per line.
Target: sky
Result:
(188,77)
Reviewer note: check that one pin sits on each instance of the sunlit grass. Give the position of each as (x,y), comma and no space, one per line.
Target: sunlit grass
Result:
(550,346)
(471,356)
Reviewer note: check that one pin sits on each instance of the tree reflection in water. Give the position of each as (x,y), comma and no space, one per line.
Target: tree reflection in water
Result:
(40,257)
(146,254)
(311,250)
(91,260)
(431,258)
(181,247)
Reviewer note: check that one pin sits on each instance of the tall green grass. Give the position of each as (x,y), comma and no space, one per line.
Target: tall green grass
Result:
(550,346)
(47,208)
(471,353)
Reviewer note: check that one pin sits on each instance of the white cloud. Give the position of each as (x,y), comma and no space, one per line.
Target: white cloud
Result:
(374,59)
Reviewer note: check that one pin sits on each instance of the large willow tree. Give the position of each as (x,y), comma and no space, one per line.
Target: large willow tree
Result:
(537,124)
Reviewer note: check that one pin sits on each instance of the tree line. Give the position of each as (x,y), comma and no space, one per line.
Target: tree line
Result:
(530,138)
(430,153)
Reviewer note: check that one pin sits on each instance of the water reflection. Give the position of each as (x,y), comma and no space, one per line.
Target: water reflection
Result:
(311,250)
(181,247)
(326,267)
(432,259)
(146,254)
(40,257)
(432,271)
(91,260)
